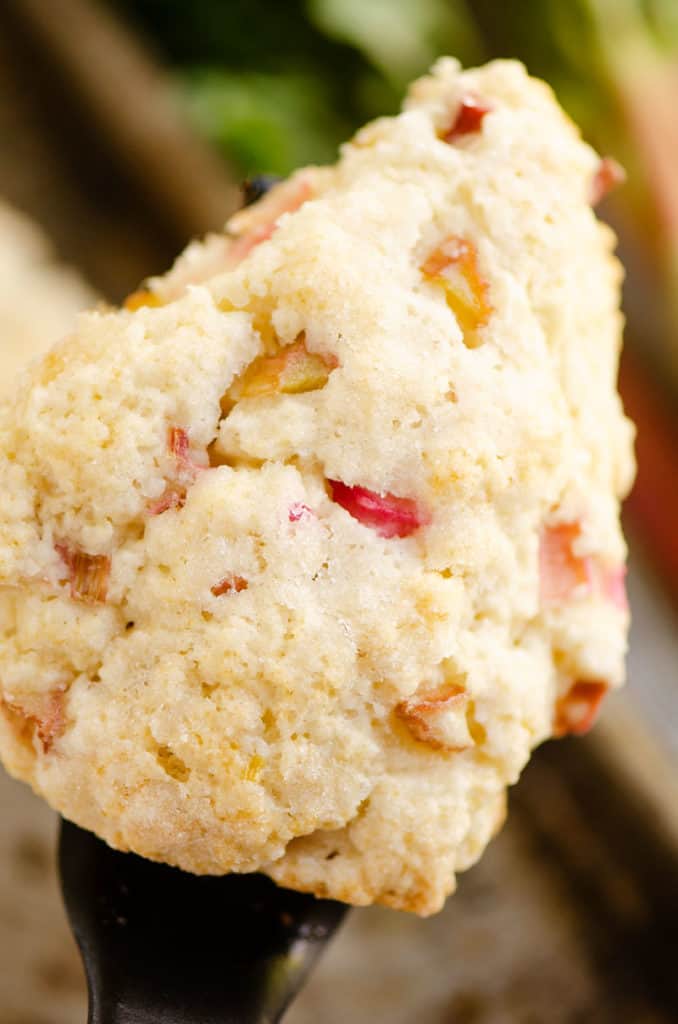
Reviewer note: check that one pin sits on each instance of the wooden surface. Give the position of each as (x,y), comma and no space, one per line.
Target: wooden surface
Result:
(572,915)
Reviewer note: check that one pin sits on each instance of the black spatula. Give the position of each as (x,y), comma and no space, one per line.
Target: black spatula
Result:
(164,947)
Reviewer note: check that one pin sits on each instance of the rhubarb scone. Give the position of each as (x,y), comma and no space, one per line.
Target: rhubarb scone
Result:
(39,297)
(312,543)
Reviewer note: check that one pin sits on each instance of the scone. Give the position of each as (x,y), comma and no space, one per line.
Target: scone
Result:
(310,545)
(39,297)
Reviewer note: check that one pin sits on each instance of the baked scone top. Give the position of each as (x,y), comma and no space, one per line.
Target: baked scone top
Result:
(306,549)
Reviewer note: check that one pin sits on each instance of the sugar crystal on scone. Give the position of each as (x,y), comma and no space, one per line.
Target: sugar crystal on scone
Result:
(309,546)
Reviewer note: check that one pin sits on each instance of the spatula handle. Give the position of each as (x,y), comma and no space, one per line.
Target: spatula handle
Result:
(164,947)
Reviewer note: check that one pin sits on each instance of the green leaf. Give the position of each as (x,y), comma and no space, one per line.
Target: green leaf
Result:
(264,122)
(400,37)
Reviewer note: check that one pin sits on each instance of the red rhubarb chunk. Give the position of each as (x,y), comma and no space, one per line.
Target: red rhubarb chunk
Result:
(388,515)
(563,574)
(577,711)
(228,584)
(469,118)
(299,511)
(87,574)
(610,173)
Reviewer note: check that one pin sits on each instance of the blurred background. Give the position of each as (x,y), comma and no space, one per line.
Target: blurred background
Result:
(125,128)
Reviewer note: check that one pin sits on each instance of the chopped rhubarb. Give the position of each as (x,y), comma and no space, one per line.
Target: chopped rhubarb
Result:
(243,246)
(292,371)
(51,723)
(577,711)
(178,444)
(468,119)
(562,573)
(263,216)
(87,574)
(299,511)
(186,471)
(609,174)
(228,584)
(565,576)
(174,496)
(438,719)
(143,297)
(454,266)
(388,515)
(47,723)
(285,197)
